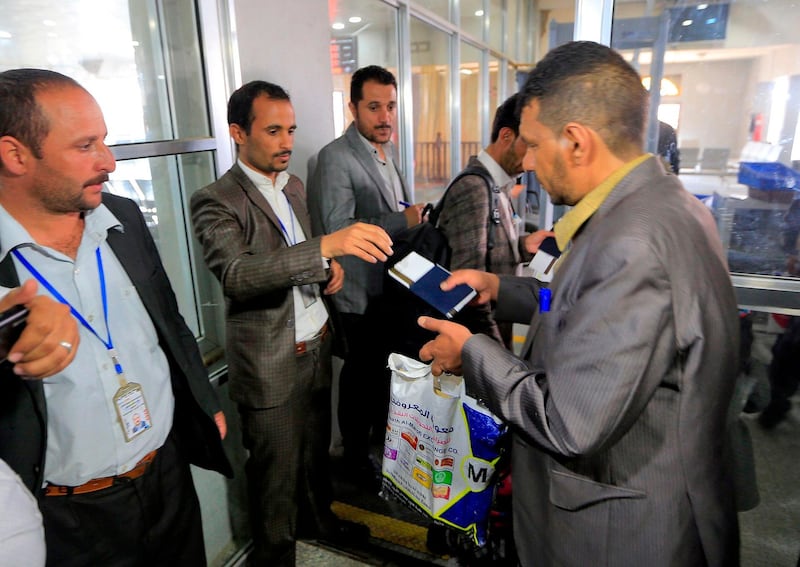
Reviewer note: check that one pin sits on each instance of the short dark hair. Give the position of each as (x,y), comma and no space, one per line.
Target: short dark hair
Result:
(369,73)
(589,83)
(20,114)
(240,105)
(506,117)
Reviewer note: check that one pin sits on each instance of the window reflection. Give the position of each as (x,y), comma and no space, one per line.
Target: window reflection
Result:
(430,62)
(363,32)
(118,54)
(736,106)
(472,127)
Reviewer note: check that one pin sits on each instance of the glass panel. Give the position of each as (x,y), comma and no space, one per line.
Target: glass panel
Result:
(771,417)
(496,31)
(728,77)
(157,185)
(430,75)
(438,7)
(734,94)
(119,53)
(473,18)
(363,32)
(494,85)
(471,103)
(512,7)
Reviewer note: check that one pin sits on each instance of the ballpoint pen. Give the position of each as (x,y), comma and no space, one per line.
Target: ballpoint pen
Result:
(404,204)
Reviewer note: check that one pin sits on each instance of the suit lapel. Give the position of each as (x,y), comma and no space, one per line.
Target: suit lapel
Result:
(255,197)
(367,161)
(298,208)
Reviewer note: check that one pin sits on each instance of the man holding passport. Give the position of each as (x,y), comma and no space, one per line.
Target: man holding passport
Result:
(619,404)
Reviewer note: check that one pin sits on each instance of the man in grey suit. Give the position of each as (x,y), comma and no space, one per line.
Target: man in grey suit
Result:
(256,237)
(357,179)
(619,406)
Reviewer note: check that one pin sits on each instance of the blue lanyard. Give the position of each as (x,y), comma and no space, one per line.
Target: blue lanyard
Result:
(293,239)
(42,280)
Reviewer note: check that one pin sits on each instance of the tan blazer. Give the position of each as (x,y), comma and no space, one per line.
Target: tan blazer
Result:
(244,248)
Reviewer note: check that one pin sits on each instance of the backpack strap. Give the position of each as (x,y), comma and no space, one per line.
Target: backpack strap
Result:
(494,205)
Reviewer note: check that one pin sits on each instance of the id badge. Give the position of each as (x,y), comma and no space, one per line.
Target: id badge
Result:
(132,410)
(308,294)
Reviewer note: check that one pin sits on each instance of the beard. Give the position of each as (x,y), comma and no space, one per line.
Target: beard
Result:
(62,197)
(555,184)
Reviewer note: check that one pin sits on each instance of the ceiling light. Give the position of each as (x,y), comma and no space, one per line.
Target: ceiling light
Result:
(702,6)
(5,35)
(686,23)
(338,26)
(466,71)
(355,20)
(479,13)
(48,22)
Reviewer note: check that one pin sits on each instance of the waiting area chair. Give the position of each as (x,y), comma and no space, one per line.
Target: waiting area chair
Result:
(714,159)
(690,158)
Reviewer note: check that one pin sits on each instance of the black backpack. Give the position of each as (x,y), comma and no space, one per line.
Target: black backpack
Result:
(427,238)
(400,308)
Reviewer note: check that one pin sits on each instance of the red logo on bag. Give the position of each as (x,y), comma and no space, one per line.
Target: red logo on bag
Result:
(412,440)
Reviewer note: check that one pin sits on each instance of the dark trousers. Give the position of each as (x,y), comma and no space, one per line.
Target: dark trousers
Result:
(363,385)
(784,370)
(288,472)
(152,520)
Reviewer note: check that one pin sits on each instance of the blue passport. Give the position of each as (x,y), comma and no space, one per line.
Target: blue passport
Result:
(423,278)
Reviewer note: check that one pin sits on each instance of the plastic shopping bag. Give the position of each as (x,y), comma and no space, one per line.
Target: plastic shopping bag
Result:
(441,448)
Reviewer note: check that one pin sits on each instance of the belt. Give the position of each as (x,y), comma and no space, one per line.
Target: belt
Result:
(102,483)
(304,346)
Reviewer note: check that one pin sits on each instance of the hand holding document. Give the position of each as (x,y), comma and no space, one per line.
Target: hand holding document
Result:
(424,278)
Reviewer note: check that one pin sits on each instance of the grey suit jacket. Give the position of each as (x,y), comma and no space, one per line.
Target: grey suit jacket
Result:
(346,187)
(244,248)
(619,410)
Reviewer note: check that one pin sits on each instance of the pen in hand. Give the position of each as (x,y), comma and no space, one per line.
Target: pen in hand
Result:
(406,205)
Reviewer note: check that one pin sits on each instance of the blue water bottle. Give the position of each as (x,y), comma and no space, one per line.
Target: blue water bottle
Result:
(544,299)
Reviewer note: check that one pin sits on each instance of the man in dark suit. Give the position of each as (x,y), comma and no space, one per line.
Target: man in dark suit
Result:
(108,495)
(619,405)
(256,237)
(481,227)
(358,179)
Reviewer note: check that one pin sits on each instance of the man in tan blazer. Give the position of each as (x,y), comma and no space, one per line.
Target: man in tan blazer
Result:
(256,236)
(619,405)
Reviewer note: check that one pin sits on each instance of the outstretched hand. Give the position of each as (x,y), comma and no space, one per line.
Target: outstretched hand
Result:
(444,351)
(366,241)
(49,341)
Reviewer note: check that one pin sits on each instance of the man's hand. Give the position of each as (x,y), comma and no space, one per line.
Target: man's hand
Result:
(222,425)
(366,241)
(414,214)
(534,240)
(336,280)
(487,285)
(49,341)
(445,350)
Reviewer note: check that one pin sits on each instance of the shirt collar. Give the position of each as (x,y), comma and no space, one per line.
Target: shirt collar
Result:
(13,235)
(501,178)
(261,181)
(572,221)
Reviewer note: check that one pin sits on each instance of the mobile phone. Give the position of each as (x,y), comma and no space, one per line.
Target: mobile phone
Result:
(12,321)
